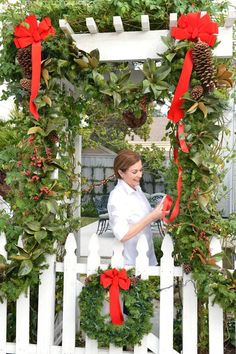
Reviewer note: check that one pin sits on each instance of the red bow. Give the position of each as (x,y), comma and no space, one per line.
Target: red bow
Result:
(192,27)
(30,32)
(115,279)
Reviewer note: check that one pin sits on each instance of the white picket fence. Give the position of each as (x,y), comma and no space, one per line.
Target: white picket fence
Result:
(49,335)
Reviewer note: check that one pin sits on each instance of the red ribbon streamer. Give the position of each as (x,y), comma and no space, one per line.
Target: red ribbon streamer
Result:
(192,27)
(30,32)
(115,279)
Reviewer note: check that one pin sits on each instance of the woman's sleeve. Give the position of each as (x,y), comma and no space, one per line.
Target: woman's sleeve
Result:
(118,219)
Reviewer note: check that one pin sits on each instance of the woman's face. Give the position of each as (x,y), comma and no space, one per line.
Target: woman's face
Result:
(133,174)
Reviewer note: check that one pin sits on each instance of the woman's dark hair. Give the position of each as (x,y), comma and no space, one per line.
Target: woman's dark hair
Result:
(124,160)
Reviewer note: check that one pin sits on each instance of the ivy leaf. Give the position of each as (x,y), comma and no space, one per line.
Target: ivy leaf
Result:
(25,268)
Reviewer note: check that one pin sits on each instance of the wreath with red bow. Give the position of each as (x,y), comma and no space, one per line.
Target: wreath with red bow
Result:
(114,285)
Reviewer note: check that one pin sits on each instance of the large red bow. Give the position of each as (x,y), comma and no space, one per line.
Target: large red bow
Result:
(192,27)
(30,32)
(115,279)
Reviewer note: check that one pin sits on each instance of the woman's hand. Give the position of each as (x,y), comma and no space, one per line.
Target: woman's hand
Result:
(157,211)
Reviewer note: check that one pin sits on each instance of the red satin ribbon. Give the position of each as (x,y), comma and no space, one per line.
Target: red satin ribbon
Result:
(115,279)
(192,27)
(30,32)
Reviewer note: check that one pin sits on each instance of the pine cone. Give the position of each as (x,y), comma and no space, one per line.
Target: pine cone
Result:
(197,92)
(203,65)
(24,59)
(53,137)
(26,84)
(133,122)
(187,268)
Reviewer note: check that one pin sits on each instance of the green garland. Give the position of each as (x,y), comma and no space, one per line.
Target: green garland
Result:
(137,302)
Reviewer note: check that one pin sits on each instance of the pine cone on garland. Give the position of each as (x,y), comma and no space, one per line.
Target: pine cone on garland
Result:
(187,268)
(197,92)
(24,59)
(203,65)
(26,84)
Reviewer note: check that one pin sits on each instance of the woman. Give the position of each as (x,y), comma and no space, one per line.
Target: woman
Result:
(130,213)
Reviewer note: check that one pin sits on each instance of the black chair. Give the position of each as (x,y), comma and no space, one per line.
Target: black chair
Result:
(155,199)
(100,203)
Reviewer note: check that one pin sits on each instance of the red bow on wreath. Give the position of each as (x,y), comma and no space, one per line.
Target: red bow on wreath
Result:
(30,32)
(192,27)
(115,279)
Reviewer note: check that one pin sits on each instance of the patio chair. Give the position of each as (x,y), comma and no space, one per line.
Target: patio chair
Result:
(155,199)
(100,203)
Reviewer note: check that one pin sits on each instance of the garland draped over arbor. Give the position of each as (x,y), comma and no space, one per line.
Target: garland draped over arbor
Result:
(105,90)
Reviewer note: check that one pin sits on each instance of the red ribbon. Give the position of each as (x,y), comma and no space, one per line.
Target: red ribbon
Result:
(115,279)
(192,27)
(30,32)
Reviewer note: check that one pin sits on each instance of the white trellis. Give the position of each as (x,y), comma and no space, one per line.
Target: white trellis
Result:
(139,45)
(58,337)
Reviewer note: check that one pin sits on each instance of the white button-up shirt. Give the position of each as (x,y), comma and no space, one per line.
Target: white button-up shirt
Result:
(126,207)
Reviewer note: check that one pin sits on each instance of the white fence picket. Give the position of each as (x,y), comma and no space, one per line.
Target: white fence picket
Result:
(161,345)
(69,296)
(189,322)
(46,307)
(22,318)
(141,268)
(93,262)
(22,323)
(166,297)
(216,330)
(3,306)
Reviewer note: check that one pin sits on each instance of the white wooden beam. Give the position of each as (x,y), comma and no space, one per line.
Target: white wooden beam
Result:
(231,18)
(172,20)
(118,24)
(145,23)
(91,25)
(66,28)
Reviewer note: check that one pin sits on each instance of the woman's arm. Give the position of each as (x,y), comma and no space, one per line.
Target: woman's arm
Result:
(134,229)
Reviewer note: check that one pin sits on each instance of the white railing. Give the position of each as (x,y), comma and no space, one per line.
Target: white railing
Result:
(57,335)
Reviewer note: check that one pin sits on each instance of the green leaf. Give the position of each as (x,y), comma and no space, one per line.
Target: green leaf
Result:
(25,268)
(197,159)
(170,56)
(35,130)
(82,63)
(40,235)
(113,78)
(116,98)
(52,206)
(95,53)
(33,225)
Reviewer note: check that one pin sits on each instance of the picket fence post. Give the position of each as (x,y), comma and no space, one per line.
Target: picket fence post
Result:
(190,311)
(69,296)
(22,319)
(46,307)
(141,268)
(93,263)
(166,297)
(3,306)
(216,330)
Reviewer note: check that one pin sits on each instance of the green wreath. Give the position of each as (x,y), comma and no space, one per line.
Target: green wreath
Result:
(139,310)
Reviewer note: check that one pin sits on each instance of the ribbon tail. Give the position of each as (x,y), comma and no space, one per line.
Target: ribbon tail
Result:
(175,211)
(175,112)
(115,309)
(36,75)
(181,137)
